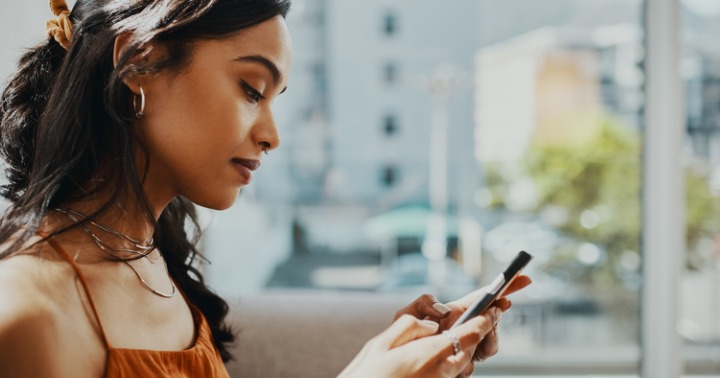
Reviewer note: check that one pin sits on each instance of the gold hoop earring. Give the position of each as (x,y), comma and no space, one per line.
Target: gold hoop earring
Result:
(139,113)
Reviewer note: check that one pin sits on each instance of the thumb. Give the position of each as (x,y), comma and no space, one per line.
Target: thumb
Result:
(405,329)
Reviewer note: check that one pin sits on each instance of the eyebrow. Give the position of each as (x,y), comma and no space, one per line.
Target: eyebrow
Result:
(265,62)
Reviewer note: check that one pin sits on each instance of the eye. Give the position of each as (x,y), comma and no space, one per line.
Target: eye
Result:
(253,94)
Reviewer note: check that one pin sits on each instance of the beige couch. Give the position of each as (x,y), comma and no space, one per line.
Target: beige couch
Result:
(305,334)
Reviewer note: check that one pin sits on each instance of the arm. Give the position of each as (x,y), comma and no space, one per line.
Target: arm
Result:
(29,345)
(25,341)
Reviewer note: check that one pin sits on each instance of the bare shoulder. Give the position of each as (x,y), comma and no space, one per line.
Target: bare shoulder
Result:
(33,282)
(29,315)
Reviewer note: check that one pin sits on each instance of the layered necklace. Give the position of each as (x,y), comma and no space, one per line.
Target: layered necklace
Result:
(139,248)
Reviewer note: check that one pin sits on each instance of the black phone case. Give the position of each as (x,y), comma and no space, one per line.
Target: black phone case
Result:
(512,271)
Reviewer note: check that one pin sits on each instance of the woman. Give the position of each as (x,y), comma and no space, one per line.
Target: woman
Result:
(131,112)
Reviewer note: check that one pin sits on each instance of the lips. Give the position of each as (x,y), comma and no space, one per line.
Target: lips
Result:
(245,168)
(250,164)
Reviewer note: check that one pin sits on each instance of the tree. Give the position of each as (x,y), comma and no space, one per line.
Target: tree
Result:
(595,180)
(588,168)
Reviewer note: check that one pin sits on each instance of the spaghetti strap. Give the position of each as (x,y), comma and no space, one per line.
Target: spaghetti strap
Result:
(57,247)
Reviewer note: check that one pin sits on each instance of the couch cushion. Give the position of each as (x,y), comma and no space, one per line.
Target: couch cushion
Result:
(305,334)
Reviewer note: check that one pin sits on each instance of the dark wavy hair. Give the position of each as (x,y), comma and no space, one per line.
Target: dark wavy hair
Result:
(66,130)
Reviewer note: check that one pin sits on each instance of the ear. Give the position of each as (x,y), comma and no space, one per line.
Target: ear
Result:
(121,43)
(144,55)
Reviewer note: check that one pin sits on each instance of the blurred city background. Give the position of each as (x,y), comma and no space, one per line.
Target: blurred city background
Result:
(426,142)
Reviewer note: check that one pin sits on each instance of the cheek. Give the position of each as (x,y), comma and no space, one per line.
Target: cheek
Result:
(206,118)
(219,108)
(200,117)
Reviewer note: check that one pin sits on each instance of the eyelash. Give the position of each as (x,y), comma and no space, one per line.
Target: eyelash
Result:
(253,94)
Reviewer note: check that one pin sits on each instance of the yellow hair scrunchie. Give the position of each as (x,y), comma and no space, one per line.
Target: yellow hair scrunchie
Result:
(60,27)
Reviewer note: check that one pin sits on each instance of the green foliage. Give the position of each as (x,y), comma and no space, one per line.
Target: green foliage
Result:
(702,216)
(496,185)
(601,175)
(596,182)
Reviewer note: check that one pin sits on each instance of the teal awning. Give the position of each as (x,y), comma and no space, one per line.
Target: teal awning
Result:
(404,222)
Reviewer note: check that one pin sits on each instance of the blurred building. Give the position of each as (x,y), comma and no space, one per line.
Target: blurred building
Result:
(701,69)
(356,118)
(526,82)
(526,86)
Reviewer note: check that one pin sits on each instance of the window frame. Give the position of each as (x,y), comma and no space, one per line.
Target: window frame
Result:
(663,200)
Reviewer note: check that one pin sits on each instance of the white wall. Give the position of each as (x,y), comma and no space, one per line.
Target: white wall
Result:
(21,26)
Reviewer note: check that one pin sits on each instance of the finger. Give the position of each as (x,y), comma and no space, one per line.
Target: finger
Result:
(519,283)
(469,335)
(425,306)
(503,303)
(488,347)
(434,356)
(468,370)
(405,329)
(473,331)
(437,353)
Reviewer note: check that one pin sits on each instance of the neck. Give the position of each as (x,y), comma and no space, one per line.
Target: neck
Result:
(121,230)
(126,218)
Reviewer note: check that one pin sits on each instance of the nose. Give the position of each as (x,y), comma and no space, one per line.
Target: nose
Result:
(266,135)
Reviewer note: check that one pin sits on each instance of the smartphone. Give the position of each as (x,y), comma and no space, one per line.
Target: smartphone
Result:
(496,288)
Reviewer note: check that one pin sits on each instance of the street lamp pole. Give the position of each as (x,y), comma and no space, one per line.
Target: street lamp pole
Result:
(443,80)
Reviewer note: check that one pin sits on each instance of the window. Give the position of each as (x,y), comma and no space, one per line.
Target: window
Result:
(390,126)
(389,176)
(390,24)
(700,282)
(557,137)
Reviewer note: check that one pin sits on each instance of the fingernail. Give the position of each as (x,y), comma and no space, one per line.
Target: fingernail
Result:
(441,309)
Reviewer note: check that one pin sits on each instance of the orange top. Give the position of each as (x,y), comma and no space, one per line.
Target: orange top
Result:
(201,360)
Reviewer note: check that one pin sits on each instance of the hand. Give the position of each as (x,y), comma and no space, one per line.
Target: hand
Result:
(428,307)
(411,347)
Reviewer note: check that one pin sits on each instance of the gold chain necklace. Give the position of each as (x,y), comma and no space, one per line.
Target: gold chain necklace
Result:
(145,248)
(147,286)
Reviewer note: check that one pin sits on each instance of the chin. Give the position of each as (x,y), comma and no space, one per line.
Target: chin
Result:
(217,202)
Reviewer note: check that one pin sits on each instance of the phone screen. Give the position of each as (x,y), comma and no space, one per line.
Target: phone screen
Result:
(496,288)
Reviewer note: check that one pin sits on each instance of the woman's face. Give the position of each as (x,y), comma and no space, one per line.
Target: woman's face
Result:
(206,126)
